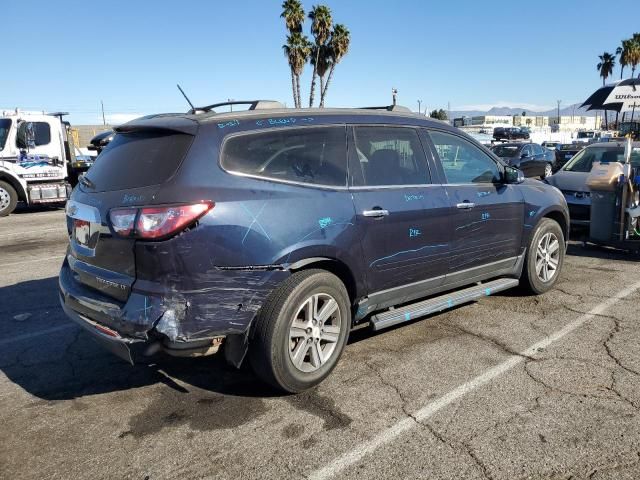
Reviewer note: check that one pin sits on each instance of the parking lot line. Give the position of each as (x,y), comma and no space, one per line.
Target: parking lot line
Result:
(46,259)
(391,433)
(26,336)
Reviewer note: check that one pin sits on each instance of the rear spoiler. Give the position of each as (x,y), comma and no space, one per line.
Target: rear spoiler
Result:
(167,122)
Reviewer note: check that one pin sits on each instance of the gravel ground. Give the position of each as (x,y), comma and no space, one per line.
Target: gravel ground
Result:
(509,387)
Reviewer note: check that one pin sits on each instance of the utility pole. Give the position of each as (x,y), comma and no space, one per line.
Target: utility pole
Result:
(559,102)
(420,106)
(448,111)
(103,120)
(394,94)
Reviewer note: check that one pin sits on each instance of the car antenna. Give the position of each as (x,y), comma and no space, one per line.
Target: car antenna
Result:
(193,109)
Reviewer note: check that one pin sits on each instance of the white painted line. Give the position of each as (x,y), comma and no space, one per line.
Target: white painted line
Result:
(391,433)
(46,259)
(62,228)
(26,336)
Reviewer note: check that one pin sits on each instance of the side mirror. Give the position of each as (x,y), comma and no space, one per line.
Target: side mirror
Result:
(513,176)
(524,155)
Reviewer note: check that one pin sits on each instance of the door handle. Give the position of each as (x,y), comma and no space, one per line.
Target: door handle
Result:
(376,212)
(465,205)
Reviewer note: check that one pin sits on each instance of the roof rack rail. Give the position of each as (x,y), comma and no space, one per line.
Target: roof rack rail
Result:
(389,108)
(253,105)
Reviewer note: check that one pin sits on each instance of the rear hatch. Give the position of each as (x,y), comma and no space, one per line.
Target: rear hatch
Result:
(140,159)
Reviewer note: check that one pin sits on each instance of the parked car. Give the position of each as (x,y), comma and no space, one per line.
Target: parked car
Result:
(531,158)
(510,133)
(550,145)
(565,152)
(100,141)
(274,231)
(572,178)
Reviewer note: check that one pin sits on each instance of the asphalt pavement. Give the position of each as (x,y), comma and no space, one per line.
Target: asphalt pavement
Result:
(510,387)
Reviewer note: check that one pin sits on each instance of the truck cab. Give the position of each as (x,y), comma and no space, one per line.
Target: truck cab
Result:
(35,151)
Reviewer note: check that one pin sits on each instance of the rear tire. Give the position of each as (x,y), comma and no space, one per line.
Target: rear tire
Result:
(8,199)
(545,257)
(301,330)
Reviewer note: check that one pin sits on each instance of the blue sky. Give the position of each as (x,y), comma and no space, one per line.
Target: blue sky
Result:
(130,54)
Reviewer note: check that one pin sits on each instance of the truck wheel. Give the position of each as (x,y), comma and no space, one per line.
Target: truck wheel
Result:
(8,199)
(301,331)
(544,258)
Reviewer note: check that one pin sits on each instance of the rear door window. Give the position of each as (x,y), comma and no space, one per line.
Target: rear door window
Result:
(315,155)
(139,159)
(384,156)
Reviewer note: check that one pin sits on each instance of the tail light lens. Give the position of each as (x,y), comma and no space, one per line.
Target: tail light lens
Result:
(154,223)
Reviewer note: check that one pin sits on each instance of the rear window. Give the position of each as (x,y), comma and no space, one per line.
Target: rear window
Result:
(506,150)
(139,159)
(583,161)
(310,155)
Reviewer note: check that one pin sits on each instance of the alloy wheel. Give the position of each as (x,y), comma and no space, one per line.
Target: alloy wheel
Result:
(547,170)
(5,199)
(547,257)
(314,332)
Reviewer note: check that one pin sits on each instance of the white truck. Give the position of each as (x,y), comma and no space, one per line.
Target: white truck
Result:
(36,151)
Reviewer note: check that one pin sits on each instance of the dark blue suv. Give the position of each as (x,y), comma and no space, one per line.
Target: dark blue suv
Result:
(270,233)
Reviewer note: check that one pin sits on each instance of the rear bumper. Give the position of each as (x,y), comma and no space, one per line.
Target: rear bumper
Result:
(176,319)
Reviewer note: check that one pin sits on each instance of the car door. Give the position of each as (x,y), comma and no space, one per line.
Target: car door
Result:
(540,158)
(487,214)
(402,217)
(527,161)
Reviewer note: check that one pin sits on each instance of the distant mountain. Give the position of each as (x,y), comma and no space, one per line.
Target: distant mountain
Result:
(566,111)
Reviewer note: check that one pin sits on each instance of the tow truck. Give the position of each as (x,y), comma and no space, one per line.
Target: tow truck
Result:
(37,159)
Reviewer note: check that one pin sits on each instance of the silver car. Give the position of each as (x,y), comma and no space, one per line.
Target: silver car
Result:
(571,179)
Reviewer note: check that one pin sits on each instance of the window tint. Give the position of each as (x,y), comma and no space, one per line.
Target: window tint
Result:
(462,161)
(138,159)
(387,156)
(537,149)
(310,155)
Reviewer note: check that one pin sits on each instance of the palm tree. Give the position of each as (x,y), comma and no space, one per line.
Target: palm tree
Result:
(634,52)
(623,52)
(321,21)
(297,50)
(605,67)
(338,46)
(321,60)
(293,15)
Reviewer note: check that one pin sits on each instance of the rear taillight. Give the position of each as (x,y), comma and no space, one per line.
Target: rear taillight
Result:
(154,223)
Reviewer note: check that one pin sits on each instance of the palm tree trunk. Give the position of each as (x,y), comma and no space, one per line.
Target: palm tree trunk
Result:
(299,99)
(323,93)
(293,88)
(321,90)
(605,120)
(621,71)
(313,79)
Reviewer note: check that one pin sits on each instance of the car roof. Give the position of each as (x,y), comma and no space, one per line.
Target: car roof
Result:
(189,122)
(616,144)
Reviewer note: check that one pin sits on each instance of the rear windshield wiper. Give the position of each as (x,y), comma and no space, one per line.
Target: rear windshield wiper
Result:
(86,182)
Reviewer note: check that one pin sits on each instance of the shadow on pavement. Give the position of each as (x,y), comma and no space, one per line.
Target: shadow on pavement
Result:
(67,363)
(598,251)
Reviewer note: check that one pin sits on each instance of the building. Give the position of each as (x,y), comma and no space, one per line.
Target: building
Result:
(572,123)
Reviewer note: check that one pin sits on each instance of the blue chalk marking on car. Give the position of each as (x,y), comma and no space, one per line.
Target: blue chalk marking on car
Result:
(402,252)
(232,123)
(411,197)
(414,232)
(325,222)
(407,316)
(486,216)
(487,291)
(254,221)
(449,303)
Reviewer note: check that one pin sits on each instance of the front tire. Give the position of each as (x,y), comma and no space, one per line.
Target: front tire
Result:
(8,199)
(545,257)
(301,331)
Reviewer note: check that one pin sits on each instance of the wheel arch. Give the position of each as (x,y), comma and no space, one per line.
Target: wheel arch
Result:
(561,219)
(15,183)
(334,266)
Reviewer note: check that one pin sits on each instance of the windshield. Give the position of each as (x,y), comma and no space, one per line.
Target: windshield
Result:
(5,126)
(583,161)
(586,134)
(569,146)
(506,150)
